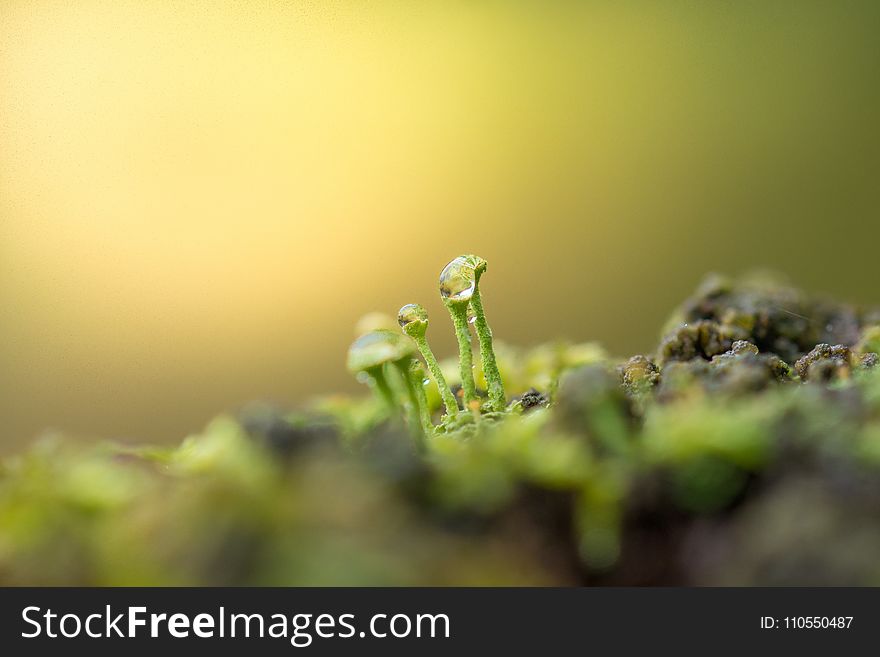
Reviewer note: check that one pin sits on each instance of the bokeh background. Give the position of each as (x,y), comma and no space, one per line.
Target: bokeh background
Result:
(198,200)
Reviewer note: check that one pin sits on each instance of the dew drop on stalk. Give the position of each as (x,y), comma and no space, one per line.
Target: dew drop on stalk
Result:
(458,288)
(410,315)
(458,280)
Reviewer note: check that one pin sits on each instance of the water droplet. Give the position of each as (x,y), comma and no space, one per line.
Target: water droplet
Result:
(426,381)
(458,280)
(471,317)
(376,348)
(411,313)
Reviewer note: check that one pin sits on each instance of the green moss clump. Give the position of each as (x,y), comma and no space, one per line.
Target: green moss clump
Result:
(745,450)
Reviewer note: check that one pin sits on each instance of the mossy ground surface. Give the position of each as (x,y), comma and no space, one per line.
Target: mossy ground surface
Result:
(745,450)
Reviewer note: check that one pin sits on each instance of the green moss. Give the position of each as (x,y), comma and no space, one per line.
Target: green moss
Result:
(745,450)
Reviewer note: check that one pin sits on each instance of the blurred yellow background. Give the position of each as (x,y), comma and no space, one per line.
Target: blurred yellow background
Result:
(198,200)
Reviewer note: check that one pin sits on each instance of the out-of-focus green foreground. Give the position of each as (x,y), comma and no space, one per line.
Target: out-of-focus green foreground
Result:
(736,453)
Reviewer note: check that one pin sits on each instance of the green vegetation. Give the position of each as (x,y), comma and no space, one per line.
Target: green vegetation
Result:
(413,320)
(745,450)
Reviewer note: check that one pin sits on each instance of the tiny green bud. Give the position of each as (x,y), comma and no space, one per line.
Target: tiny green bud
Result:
(369,354)
(376,348)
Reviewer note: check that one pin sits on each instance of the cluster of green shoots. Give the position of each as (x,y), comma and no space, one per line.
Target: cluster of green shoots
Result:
(387,361)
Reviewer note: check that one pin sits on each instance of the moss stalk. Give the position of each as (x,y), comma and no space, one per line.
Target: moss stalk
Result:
(414,415)
(434,367)
(497,398)
(458,311)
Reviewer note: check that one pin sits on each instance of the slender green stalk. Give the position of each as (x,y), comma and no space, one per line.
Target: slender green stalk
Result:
(417,379)
(413,320)
(497,398)
(414,418)
(434,367)
(458,311)
(370,357)
(380,385)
